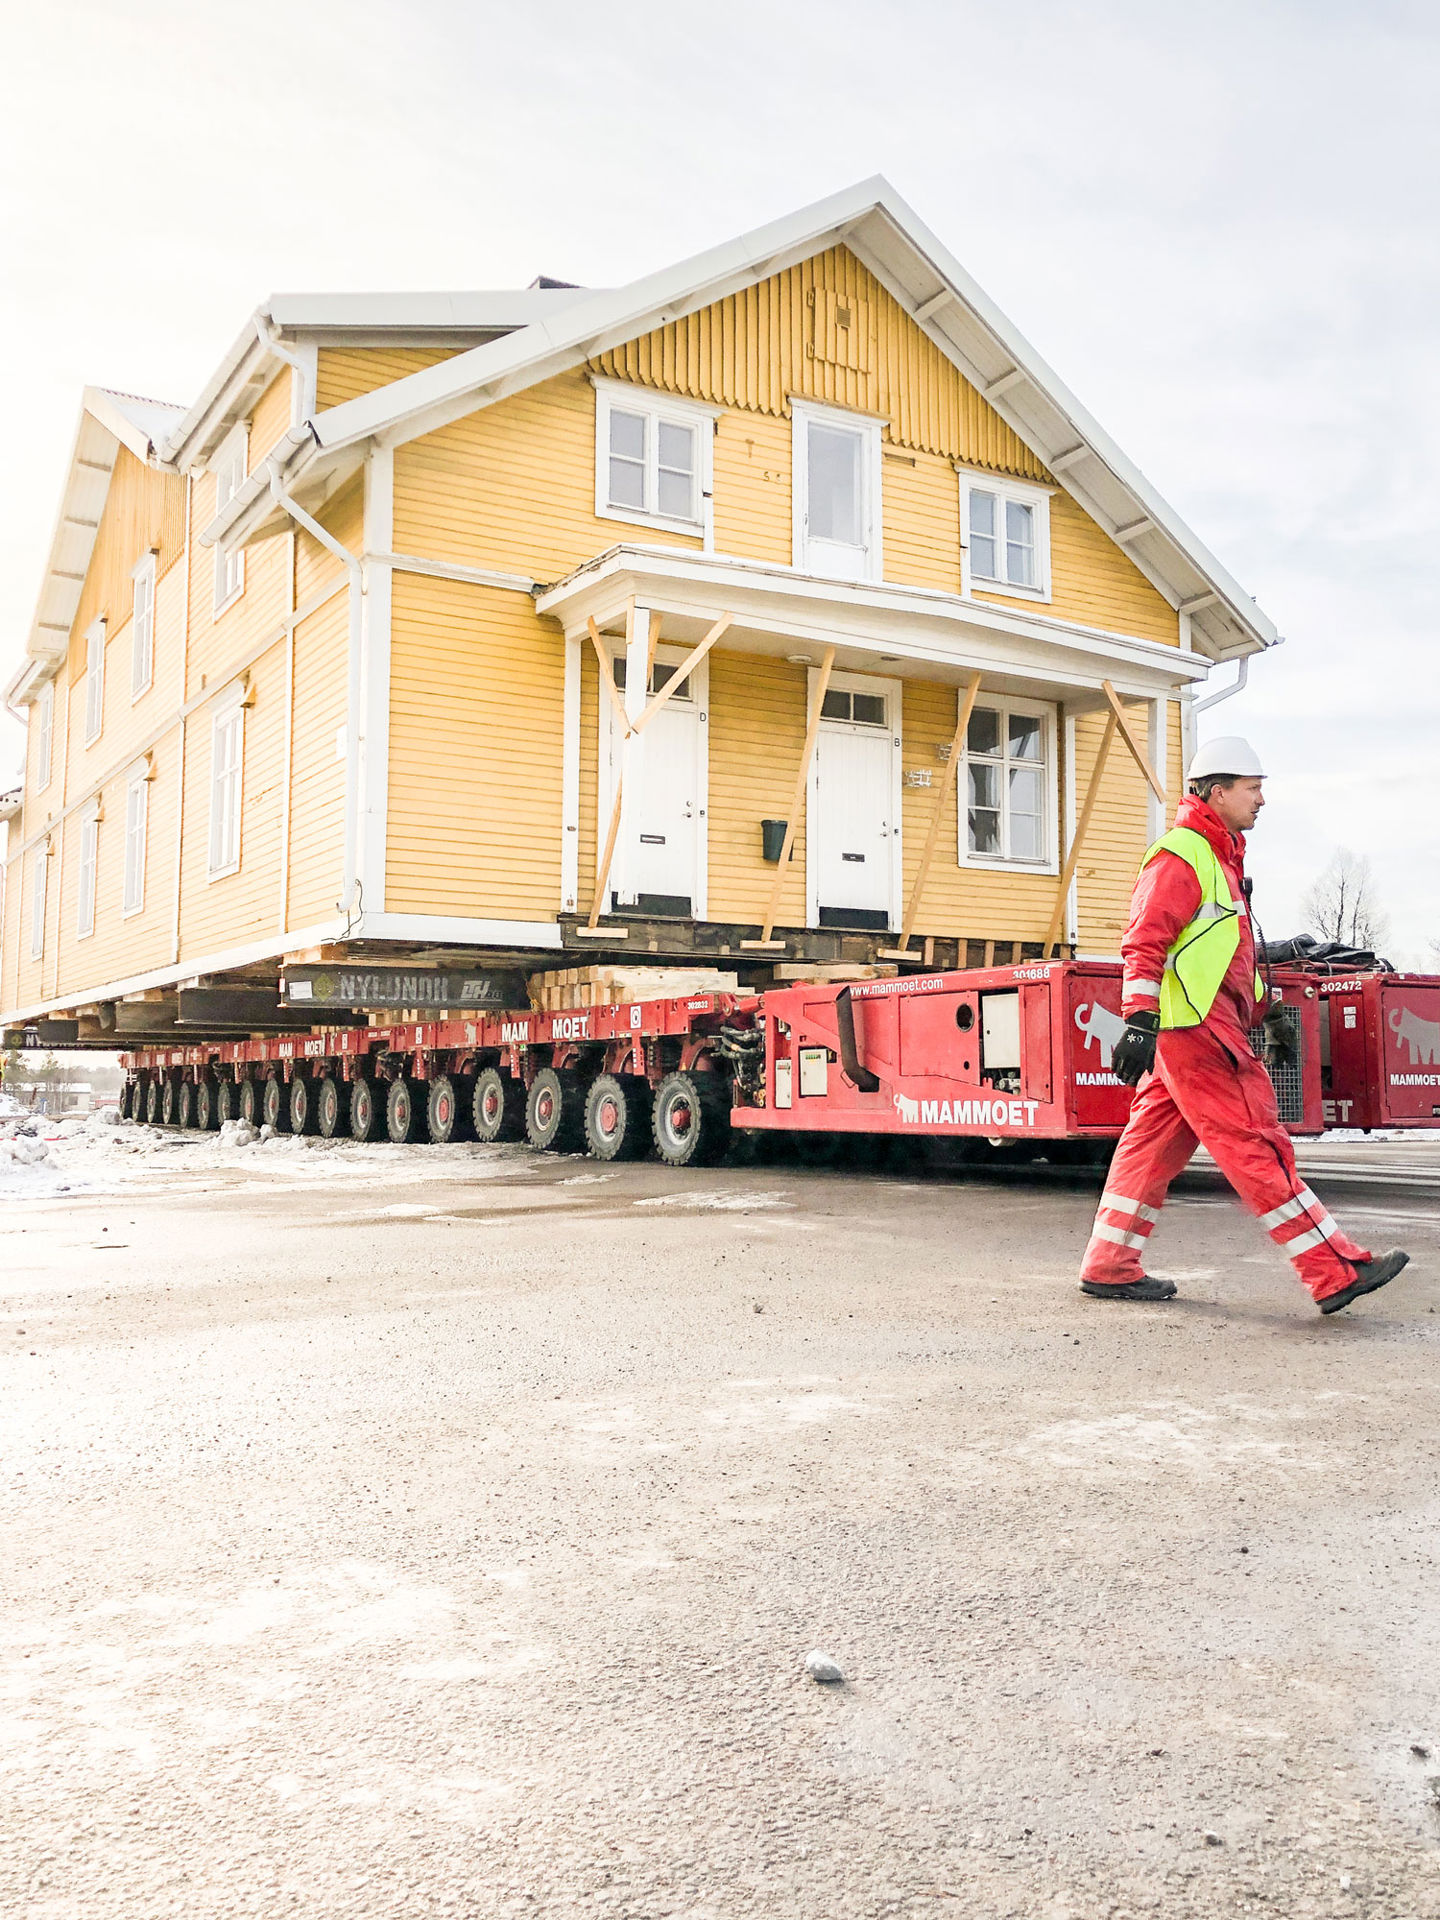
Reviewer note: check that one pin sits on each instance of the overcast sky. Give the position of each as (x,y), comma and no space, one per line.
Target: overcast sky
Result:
(1218,223)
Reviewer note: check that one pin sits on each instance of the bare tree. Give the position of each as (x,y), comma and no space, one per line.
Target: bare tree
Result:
(1342,904)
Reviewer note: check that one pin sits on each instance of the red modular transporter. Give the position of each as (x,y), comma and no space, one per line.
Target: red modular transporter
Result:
(1007,1055)
(1380,1050)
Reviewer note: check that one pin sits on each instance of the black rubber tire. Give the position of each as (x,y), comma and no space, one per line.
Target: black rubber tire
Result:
(691,1119)
(555,1113)
(205,1091)
(152,1103)
(497,1106)
(304,1114)
(169,1101)
(367,1112)
(227,1100)
(185,1106)
(248,1102)
(447,1110)
(617,1117)
(128,1090)
(275,1104)
(405,1111)
(332,1107)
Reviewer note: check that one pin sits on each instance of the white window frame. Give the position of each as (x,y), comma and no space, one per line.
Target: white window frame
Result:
(804,415)
(619,396)
(39,874)
(229,466)
(87,869)
(224,853)
(142,626)
(45,736)
(94,682)
(1024,494)
(1006,704)
(137,831)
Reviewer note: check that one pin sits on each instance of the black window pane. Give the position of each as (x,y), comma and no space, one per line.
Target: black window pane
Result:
(984,731)
(836,705)
(869,708)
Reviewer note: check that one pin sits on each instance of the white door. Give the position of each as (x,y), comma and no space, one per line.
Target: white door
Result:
(664,857)
(853,822)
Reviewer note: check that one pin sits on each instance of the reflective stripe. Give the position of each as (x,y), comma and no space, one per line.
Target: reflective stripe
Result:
(1302,1202)
(1143,986)
(1303,1242)
(1117,1203)
(1117,1234)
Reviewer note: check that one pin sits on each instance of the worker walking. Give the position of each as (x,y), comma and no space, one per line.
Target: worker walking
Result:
(1191,996)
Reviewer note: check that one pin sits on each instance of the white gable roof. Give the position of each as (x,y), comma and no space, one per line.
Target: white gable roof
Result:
(877,225)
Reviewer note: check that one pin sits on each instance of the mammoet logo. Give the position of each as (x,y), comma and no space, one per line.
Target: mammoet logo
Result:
(1097,1023)
(965,1113)
(514,1032)
(570,1026)
(1421,1036)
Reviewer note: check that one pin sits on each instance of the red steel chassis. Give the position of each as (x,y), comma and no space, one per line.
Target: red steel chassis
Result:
(1004,1054)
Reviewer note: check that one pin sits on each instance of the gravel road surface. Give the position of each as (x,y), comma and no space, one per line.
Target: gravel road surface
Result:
(445,1534)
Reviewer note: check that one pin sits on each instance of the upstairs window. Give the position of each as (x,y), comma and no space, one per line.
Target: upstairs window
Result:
(229,467)
(836,482)
(1007,536)
(94,681)
(89,860)
(142,627)
(44,735)
(137,810)
(1008,794)
(227,753)
(652,458)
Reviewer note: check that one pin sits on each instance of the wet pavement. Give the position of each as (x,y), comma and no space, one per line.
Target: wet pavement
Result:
(443,1531)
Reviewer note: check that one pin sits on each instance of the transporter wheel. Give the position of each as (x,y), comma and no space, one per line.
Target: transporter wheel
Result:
(227,1100)
(691,1121)
(169,1101)
(275,1104)
(447,1111)
(304,1117)
(205,1103)
(617,1117)
(366,1112)
(152,1103)
(249,1101)
(185,1105)
(332,1106)
(555,1113)
(127,1098)
(405,1111)
(497,1106)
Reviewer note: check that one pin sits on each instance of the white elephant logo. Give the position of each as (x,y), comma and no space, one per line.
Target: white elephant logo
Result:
(1099,1024)
(1421,1036)
(908,1110)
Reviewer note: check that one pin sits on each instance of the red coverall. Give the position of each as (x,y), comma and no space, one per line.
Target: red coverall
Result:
(1207,1086)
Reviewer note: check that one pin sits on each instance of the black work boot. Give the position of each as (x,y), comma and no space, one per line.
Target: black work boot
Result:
(1374,1274)
(1142,1289)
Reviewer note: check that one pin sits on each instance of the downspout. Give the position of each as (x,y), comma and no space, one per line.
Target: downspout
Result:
(1226,693)
(347,902)
(304,404)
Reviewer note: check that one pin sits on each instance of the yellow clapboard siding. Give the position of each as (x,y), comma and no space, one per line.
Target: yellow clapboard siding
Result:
(144,511)
(1119,832)
(757,734)
(344,517)
(757,348)
(317,776)
(753,488)
(921,543)
(270,418)
(459,656)
(344,373)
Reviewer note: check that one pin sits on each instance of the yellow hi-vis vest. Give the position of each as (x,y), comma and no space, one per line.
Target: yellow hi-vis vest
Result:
(1198,961)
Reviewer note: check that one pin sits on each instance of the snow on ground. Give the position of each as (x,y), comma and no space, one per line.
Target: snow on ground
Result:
(42,1159)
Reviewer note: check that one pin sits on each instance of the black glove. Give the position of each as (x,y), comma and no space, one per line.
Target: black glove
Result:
(1134,1052)
(1281,1048)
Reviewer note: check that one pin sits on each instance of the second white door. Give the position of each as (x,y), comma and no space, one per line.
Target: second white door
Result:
(853,821)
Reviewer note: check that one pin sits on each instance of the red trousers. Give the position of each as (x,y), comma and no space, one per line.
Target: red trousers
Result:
(1214,1091)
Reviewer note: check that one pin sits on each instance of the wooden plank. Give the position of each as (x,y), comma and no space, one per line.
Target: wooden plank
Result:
(607,675)
(683,671)
(1081,828)
(965,706)
(1141,760)
(822,687)
(602,871)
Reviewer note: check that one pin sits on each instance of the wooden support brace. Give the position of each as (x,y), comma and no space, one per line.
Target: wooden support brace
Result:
(682,672)
(1141,760)
(822,687)
(607,675)
(602,871)
(965,705)
(1082,825)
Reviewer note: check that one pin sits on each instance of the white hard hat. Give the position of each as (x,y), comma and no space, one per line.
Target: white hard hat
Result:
(1227,755)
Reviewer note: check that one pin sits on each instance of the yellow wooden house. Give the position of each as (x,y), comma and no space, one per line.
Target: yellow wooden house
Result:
(783,606)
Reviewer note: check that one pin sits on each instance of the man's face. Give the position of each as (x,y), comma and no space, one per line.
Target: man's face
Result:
(1239,805)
